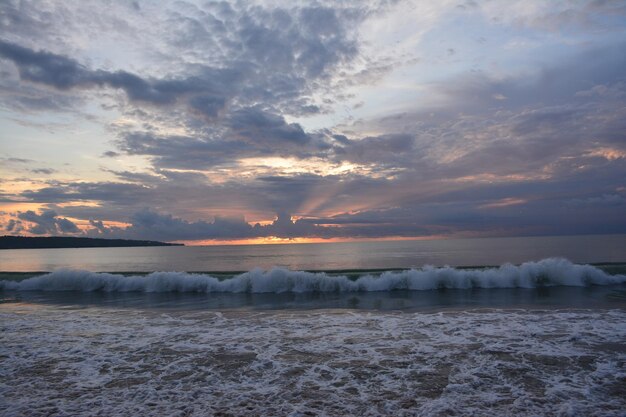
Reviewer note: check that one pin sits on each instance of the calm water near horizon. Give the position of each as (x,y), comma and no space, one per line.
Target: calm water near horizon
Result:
(322,256)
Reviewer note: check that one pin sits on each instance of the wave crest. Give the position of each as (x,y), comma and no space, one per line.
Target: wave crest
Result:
(548,272)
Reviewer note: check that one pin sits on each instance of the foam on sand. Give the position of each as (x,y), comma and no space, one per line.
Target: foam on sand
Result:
(102,361)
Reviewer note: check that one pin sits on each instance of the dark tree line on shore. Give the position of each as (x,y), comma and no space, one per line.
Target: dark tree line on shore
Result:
(23,242)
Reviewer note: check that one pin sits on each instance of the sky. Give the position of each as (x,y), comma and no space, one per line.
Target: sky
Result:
(258,122)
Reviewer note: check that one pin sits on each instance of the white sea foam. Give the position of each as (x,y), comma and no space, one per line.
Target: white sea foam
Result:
(104,361)
(548,272)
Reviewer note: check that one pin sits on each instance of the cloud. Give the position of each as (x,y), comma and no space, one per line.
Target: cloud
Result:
(149,224)
(46,68)
(605,199)
(44,171)
(281,55)
(395,150)
(544,124)
(234,70)
(65,73)
(29,99)
(253,124)
(17,160)
(555,16)
(213,100)
(119,193)
(422,208)
(271,55)
(247,133)
(48,222)
(67,226)
(14,226)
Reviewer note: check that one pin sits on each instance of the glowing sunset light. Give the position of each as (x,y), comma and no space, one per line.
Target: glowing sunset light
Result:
(196,121)
(273,240)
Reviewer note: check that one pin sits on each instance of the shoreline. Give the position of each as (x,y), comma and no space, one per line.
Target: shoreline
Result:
(484,363)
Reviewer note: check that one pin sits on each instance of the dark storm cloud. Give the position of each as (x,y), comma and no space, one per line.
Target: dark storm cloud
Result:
(65,73)
(184,152)
(119,193)
(45,67)
(273,56)
(432,207)
(520,126)
(149,224)
(542,218)
(253,124)
(14,226)
(537,153)
(285,194)
(248,132)
(252,133)
(389,149)
(48,222)
(245,131)
(270,62)
(175,192)
(67,226)
(508,206)
(535,208)
(207,105)
(137,177)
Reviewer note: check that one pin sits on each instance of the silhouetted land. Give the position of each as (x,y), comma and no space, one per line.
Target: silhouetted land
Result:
(23,242)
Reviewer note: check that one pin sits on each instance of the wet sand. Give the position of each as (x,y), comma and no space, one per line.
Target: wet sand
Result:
(77,360)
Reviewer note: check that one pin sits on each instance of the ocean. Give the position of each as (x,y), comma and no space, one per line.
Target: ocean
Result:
(509,326)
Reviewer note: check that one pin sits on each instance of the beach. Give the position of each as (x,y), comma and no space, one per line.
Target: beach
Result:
(541,337)
(60,360)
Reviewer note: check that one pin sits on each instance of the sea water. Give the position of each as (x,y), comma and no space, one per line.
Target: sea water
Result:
(322,256)
(276,331)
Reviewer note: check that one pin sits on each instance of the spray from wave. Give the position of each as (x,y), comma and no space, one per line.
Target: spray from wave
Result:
(548,272)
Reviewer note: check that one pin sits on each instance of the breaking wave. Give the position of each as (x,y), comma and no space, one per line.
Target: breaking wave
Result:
(548,272)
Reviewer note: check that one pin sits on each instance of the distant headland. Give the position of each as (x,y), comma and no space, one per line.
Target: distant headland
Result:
(23,242)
